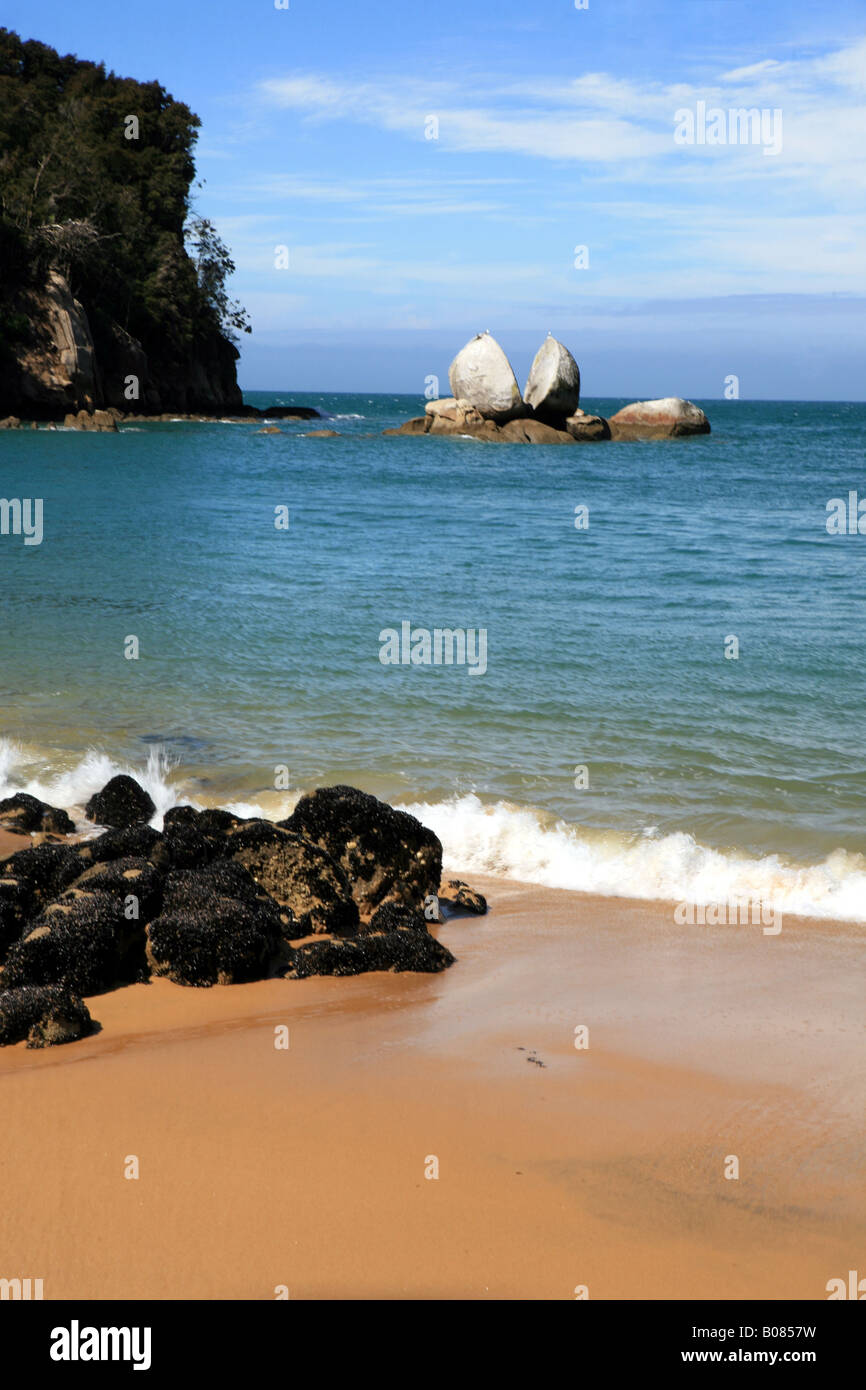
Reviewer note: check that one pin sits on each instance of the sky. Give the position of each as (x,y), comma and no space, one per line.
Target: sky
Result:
(433,171)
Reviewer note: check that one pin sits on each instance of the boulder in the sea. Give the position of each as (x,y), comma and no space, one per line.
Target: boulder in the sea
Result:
(419,424)
(553,384)
(269,429)
(298,873)
(450,416)
(662,419)
(482,375)
(27,814)
(121,803)
(587,429)
(533,432)
(46,1016)
(386,854)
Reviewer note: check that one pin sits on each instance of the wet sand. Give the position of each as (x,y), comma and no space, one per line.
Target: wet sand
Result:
(604,1167)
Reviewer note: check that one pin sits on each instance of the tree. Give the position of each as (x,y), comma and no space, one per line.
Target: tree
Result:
(214,265)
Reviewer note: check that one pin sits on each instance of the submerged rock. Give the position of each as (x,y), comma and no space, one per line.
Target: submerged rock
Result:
(660,419)
(25,814)
(386,854)
(46,1016)
(302,875)
(121,803)
(553,384)
(482,375)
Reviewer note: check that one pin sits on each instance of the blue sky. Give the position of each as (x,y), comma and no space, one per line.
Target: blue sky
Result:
(555,131)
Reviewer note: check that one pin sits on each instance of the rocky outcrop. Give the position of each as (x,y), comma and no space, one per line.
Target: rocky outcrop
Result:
(532,432)
(482,375)
(57,367)
(121,803)
(64,368)
(661,419)
(587,429)
(213,899)
(92,420)
(301,875)
(386,854)
(553,384)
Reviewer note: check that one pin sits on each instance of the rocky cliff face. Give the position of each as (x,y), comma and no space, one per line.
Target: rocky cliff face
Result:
(62,367)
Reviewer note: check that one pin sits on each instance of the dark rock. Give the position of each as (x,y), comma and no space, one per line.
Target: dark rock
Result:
(123,879)
(15,907)
(46,1016)
(134,841)
(395,917)
(25,813)
(393,950)
(299,874)
(387,855)
(467,898)
(121,803)
(182,847)
(82,941)
(228,943)
(195,890)
(45,870)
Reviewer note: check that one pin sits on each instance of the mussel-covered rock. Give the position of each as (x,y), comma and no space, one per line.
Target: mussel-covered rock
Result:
(121,802)
(386,854)
(45,1015)
(302,875)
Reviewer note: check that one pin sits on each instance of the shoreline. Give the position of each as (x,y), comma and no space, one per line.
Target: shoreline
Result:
(603,1166)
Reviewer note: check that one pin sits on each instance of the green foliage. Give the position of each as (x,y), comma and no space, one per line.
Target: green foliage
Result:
(106,210)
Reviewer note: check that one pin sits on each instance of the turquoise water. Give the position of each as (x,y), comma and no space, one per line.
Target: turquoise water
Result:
(259,648)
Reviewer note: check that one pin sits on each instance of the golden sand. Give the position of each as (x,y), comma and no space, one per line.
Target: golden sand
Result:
(604,1167)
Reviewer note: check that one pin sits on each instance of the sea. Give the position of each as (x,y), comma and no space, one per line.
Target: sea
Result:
(672,698)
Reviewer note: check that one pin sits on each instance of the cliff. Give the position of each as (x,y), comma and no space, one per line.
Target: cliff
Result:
(112,293)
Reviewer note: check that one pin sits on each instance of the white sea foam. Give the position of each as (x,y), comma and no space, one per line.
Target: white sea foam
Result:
(22,771)
(507,841)
(524,844)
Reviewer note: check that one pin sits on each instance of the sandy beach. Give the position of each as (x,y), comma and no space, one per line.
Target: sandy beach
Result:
(604,1167)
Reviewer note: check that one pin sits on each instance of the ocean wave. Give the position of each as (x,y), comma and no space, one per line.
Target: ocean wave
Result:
(503,840)
(526,844)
